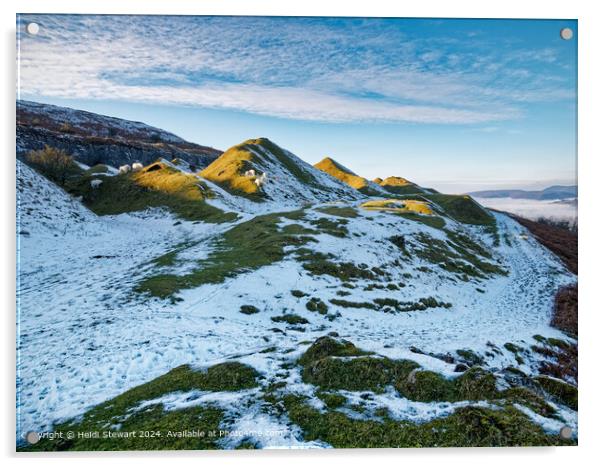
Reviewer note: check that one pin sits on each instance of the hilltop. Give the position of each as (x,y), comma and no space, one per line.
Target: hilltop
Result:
(261,171)
(338,171)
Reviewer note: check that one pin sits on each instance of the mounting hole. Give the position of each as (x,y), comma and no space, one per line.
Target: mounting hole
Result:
(566,433)
(33,28)
(566,33)
(32,437)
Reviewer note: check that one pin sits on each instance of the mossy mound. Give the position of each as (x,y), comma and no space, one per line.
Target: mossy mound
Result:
(427,386)
(324,347)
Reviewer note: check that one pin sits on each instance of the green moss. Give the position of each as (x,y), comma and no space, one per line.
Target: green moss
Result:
(248,309)
(526,397)
(247,246)
(298,293)
(98,168)
(344,271)
(355,374)
(561,392)
(469,356)
(408,306)
(466,427)
(292,319)
(123,413)
(428,386)
(475,384)
(425,386)
(352,304)
(332,400)
(326,346)
(317,305)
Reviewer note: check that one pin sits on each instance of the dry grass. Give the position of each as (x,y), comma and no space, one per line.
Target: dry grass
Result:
(566,313)
(165,179)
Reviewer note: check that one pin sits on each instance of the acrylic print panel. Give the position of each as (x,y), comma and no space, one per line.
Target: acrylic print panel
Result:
(247,232)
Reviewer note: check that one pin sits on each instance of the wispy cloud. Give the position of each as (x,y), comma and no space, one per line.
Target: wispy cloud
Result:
(339,70)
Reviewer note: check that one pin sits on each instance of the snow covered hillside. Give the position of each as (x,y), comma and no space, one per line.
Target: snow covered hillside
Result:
(308,320)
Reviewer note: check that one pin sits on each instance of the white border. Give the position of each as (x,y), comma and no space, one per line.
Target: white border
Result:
(590,41)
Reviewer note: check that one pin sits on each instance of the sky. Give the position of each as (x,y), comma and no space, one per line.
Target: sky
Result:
(458,105)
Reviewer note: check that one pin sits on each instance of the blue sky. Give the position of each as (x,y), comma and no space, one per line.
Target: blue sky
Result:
(453,104)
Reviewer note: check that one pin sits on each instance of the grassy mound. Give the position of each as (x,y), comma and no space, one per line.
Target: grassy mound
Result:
(399,206)
(157,185)
(326,346)
(228,171)
(123,414)
(338,171)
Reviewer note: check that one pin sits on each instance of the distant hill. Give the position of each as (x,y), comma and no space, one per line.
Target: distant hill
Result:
(98,139)
(547,194)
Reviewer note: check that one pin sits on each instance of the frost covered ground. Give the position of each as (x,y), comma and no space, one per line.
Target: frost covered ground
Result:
(85,335)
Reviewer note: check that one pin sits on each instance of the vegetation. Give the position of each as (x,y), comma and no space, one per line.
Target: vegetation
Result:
(560,391)
(317,305)
(228,171)
(466,427)
(248,309)
(247,246)
(345,212)
(54,164)
(461,259)
(123,413)
(291,319)
(462,208)
(326,346)
(398,185)
(399,206)
(157,185)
